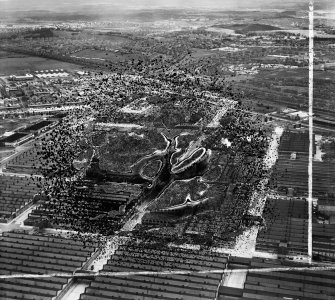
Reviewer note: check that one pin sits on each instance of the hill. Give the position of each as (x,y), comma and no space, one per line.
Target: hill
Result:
(245,28)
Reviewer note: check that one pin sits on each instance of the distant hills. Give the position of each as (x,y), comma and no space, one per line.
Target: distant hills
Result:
(245,28)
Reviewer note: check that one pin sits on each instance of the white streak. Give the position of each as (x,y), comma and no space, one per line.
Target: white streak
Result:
(310,124)
(172,272)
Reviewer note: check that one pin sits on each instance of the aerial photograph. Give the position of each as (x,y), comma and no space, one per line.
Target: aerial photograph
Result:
(169,150)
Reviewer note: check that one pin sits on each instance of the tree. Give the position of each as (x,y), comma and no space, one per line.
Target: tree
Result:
(42,224)
(244,168)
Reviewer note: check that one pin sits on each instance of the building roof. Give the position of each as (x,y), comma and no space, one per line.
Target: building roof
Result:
(38,125)
(14,137)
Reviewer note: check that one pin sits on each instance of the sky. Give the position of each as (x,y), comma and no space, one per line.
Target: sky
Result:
(67,4)
(78,5)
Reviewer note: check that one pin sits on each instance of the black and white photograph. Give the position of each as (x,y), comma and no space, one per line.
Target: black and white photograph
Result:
(167,150)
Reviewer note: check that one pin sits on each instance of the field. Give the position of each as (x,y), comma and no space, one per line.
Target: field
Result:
(5,54)
(198,53)
(91,53)
(105,55)
(151,168)
(24,64)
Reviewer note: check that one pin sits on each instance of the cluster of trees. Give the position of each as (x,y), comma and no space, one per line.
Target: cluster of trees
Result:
(329,149)
(244,141)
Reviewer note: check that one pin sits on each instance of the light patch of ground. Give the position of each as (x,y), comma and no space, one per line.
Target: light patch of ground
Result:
(229,104)
(246,243)
(234,279)
(185,246)
(228,49)
(319,153)
(75,291)
(88,58)
(20,218)
(272,153)
(41,110)
(259,198)
(226,142)
(141,110)
(265,255)
(136,219)
(117,125)
(111,246)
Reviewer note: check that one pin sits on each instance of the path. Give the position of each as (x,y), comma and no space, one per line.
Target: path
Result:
(111,246)
(75,291)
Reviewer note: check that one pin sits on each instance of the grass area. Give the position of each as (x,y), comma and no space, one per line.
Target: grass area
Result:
(212,173)
(107,55)
(151,168)
(24,64)
(91,53)
(177,193)
(124,149)
(5,54)
(197,53)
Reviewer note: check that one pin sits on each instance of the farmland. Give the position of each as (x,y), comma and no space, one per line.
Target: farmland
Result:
(21,64)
